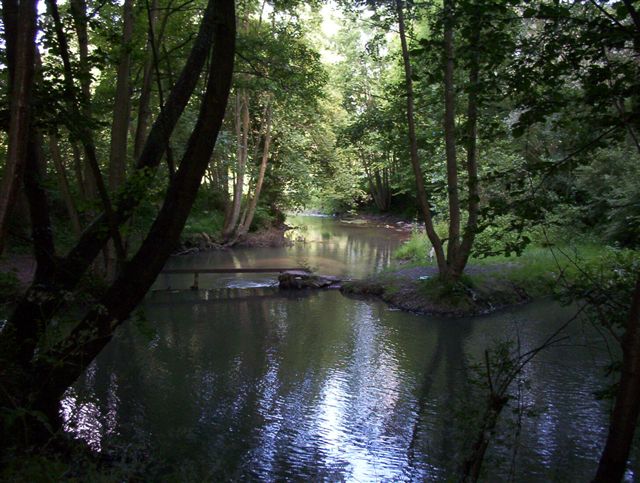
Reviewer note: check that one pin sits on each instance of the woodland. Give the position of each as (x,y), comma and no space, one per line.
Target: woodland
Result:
(131,128)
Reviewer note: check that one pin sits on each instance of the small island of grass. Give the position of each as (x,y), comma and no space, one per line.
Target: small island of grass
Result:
(488,284)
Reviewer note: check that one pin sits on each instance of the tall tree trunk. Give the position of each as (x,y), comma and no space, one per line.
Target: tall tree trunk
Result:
(120,127)
(63,182)
(386,180)
(450,138)
(20,41)
(154,41)
(370,180)
(77,169)
(378,185)
(242,136)
(460,262)
(82,131)
(10,16)
(144,111)
(122,106)
(79,14)
(421,193)
(43,247)
(627,406)
(382,188)
(251,210)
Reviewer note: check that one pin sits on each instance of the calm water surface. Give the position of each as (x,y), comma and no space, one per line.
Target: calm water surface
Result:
(242,381)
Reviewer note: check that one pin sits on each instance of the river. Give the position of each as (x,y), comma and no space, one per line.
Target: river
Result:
(239,380)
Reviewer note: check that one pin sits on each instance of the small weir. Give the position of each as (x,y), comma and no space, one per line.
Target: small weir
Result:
(197,271)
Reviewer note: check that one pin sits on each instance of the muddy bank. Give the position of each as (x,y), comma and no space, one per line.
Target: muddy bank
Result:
(419,290)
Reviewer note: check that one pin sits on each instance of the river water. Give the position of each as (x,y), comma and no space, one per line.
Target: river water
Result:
(239,380)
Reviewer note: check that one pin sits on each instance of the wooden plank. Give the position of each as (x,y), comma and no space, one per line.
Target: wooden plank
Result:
(232,270)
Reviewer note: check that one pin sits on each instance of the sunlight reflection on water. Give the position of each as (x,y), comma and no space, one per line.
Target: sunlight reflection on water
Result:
(242,381)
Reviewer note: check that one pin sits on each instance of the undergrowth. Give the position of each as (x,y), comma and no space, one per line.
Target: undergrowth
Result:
(209,222)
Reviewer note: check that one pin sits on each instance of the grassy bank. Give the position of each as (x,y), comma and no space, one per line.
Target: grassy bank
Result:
(568,271)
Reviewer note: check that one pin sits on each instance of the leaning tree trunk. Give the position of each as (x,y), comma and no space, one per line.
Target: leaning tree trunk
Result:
(423,200)
(624,417)
(242,137)
(472,465)
(79,13)
(81,130)
(243,229)
(144,103)
(54,369)
(42,301)
(121,106)
(65,362)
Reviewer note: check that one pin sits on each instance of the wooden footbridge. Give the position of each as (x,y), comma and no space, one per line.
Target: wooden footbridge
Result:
(197,271)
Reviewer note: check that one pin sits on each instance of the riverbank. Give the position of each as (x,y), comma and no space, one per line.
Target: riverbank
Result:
(482,290)
(273,236)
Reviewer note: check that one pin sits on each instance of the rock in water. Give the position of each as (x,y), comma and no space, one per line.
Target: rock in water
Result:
(299,280)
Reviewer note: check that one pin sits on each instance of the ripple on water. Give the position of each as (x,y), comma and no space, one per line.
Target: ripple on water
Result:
(246,382)
(240,283)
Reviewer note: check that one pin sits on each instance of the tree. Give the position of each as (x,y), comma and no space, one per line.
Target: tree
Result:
(278,72)
(37,366)
(20,28)
(423,200)
(577,73)
(624,417)
(457,43)
(370,134)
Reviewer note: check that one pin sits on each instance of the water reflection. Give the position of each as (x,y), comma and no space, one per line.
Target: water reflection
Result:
(261,384)
(330,247)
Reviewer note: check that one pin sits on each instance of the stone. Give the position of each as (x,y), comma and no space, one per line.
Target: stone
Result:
(299,280)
